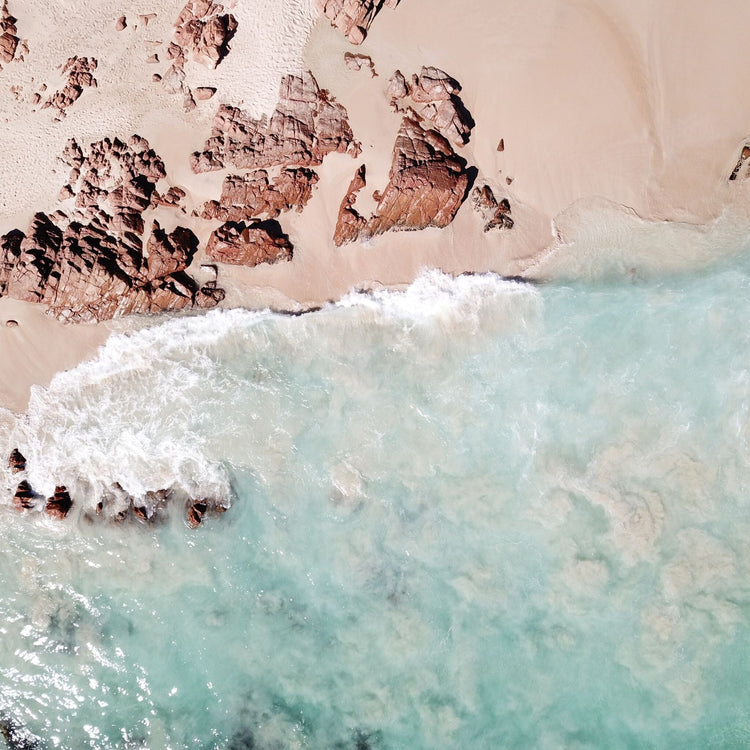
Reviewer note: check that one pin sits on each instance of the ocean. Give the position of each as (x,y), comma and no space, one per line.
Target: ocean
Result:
(472,514)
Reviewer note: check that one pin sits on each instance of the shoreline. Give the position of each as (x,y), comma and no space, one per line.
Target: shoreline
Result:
(603,151)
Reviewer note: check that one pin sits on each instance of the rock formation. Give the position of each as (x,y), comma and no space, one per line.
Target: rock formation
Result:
(88,263)
(9,40)
(741,162)
(496,214)
(353,17)
(252,196)
(204,31)
(427,185)
(25,497)
(358,62)
(306,125)
(349,223)
(59,505)
(80,75)
(438,93)
(17,461)
(249,244)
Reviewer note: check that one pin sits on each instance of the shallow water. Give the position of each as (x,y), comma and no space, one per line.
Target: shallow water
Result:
(474,514)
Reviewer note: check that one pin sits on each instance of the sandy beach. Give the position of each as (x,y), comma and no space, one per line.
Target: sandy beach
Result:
(618,120)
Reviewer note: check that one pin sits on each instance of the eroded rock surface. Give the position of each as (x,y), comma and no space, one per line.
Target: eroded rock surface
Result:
(203,30)
(496,214)
(435,96)
(353,17)
(59,505)
(80,75)
(9,41)
(253,196)
(427,185)
(349,223)
(741,169)
(306,125)
(359,62)
(88,262)
(244,244)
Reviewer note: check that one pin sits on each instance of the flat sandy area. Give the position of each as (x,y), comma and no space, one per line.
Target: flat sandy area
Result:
(621,123)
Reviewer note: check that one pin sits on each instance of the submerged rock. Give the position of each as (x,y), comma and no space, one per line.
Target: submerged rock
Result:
(25,497)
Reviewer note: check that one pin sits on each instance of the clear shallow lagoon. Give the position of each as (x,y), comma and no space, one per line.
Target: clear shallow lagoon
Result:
(476,514)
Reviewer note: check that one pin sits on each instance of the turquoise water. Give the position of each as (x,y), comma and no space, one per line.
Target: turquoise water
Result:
(475,514)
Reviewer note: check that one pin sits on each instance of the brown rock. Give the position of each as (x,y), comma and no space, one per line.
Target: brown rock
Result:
(121,24)
(195,513)
(495,213)
(357,62)
(501,145)
(59,505)
(80,75)
(397,86)
(744,156)
(427,185)
(204,30)
(152,58)
(251,196)
(202,93)
(25,497)
(9,41)
(353,17)
(10,323)
(306,125)
(451,118)
(249,244)
(349,223)
(17,461)
(89,263)
(433,85)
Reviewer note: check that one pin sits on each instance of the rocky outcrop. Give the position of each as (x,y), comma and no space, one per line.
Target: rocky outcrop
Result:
(59,505)
(741,162)
(25,497)
(434,96)
(79,72)
(253,196)
(427,185)
(359,62)
(17,461)
(244,244)
(496,214)
(349,223)
(9,41)
(203,30)
(197,510)
(306,125)
(88,262)
(353,17)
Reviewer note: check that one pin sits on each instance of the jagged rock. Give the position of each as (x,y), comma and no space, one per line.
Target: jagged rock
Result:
(25,497)
(437,92)
(495,213)
(252,196)
(307,125)
(433,85)
(349,223)
(501,145)
(195,513)
(249,244)
(353,17)
(8,40)
(89,264)
(171,253)
(357,62)
(80,75)
(17,462)
(173,197)
(202,93)
(451,118)
(121,24)
(744,156)
(204,30)
(427,184)
(59,505)
(397,86)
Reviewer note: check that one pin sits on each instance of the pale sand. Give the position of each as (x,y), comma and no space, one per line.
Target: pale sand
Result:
(617,117)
